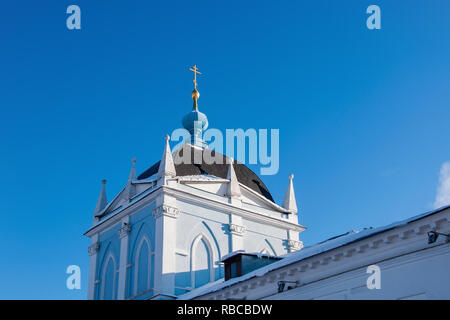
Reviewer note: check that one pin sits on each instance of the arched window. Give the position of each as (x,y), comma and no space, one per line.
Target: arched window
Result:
(109,279)
(202,268)
(142,263)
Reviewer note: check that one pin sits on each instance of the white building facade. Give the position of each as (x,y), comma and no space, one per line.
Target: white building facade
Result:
(164,234)
(410,267)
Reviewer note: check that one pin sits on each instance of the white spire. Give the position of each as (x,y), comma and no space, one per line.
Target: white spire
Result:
(101,202)
(166,166)
(233,190)
(131,188)
(289,202)
(132,175)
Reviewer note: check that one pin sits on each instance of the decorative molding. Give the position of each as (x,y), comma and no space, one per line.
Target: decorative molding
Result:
(166,210)
(325,260)
(361,248)
(405,234)
(145,199)
(337,256)
(272,278)
(375,244)
(201,178)
(236,229)
(349,252)
(409,247)
(292,272)
(251,214)
(93,248)
(124,231)
(294,245)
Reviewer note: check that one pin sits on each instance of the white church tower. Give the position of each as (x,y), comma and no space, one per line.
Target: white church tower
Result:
(165,233)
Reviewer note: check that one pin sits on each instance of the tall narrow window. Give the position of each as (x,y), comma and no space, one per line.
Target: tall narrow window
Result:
(109,279)
(202,265)
(202,268)
(143,265)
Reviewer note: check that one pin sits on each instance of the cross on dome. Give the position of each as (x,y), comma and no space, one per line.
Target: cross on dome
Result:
(194,69)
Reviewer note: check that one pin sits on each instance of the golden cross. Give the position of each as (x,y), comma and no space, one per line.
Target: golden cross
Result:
(194,69)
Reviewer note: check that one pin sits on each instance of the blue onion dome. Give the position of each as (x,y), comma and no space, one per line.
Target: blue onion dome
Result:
(190,118)
(195,121)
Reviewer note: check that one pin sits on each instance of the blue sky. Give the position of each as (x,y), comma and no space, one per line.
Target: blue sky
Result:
(363,115)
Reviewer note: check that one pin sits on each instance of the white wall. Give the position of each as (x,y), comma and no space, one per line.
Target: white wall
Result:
(420,275)
(410,267)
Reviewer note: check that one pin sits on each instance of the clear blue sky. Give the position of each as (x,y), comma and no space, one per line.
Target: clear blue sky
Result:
(363,115)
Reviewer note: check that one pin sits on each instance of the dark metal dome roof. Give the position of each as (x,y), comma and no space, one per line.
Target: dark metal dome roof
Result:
(244,175)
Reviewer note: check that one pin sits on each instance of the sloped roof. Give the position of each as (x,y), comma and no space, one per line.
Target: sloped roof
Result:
(244,175)
(307,252)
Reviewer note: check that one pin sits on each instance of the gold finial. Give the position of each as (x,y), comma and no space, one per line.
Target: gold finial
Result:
(194,69)
(195,94)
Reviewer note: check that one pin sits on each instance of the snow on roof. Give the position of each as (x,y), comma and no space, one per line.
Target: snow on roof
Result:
(219,169)
(151,179)
(307,252)
(201,178)
(231,254)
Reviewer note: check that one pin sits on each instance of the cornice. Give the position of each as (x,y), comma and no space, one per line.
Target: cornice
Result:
(294,245)
(267,201)
(124,230)
(116,218)
(167,211)
(236,229)
(229,208)
(93,248)
(199,199)
(380,247)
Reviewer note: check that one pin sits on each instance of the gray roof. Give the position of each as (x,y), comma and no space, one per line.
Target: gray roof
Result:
(244,175)
(307,252)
